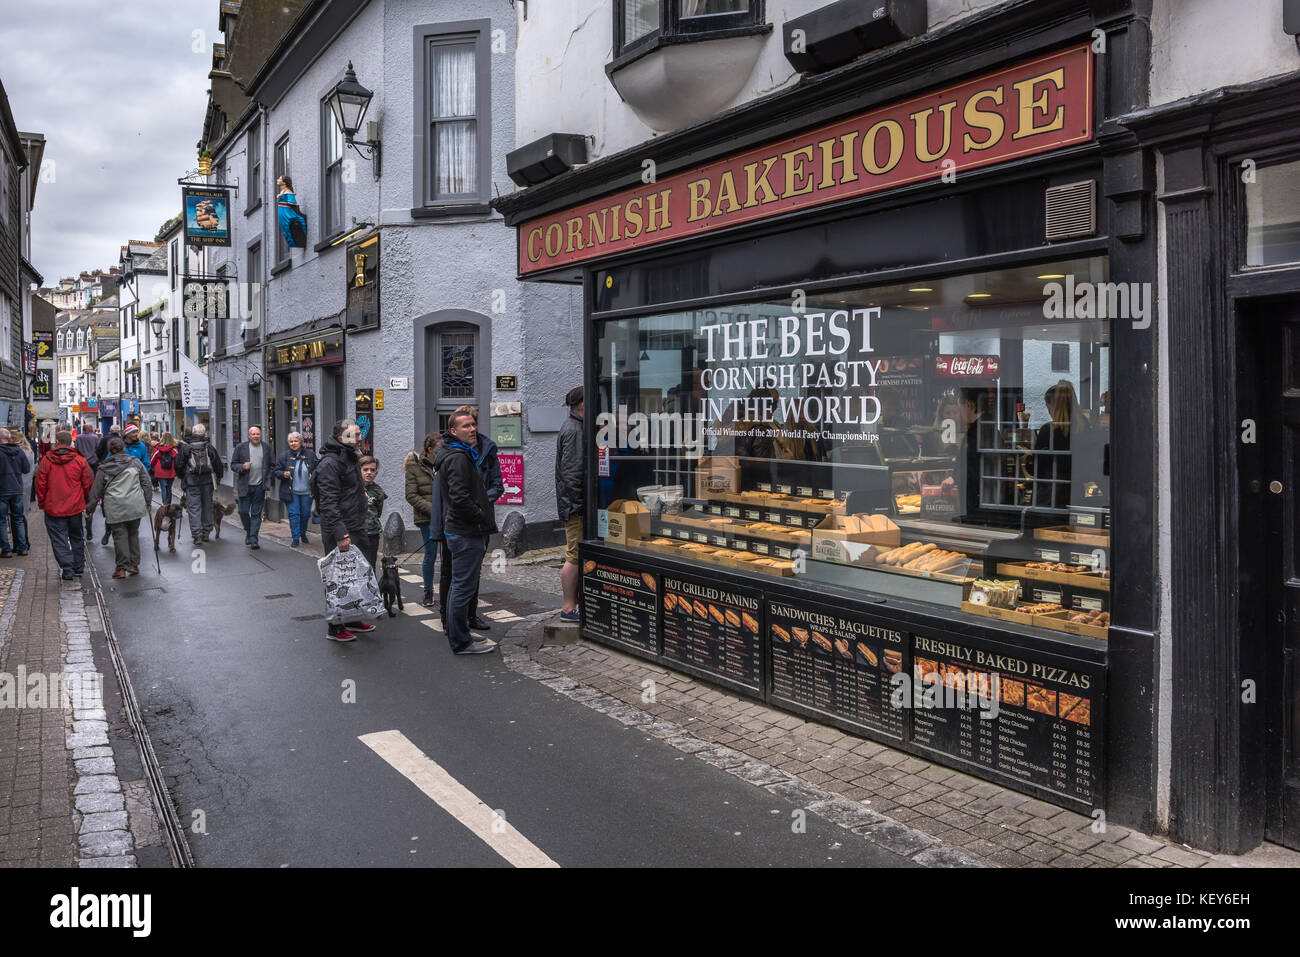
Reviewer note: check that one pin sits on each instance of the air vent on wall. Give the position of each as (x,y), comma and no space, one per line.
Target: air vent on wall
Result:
(542,159)
(1072,210)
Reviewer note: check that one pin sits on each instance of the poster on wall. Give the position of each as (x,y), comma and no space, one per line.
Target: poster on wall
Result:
(44,343)
(308,427)
(236,417)
(512,475)
(43,385)
(206,215)
(365,419)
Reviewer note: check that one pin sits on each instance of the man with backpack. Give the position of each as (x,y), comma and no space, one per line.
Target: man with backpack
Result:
(123,490)
(198,468)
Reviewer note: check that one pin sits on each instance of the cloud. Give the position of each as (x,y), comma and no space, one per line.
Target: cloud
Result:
(119,93)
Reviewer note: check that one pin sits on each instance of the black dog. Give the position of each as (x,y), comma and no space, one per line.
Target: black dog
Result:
(390,586)
(171,514)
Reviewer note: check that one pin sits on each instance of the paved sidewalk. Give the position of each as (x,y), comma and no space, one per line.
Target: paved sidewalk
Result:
(65,747)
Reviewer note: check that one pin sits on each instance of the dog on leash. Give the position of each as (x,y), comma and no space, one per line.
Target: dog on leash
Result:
(390,586)
(171,516)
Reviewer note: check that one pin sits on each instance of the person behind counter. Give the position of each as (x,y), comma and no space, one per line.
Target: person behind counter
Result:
(971,414)
(1052,465)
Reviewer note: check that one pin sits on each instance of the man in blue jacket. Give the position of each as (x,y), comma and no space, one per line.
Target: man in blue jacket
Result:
(293,467)
(252,464)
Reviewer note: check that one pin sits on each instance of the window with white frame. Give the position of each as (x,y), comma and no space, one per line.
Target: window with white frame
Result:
(331,149)
(453,107)
(254,165)
(640,23)
(6,328)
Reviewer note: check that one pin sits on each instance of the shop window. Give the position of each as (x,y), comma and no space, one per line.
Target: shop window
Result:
(453,110)
(944,440)
(640,23)
(1273,215)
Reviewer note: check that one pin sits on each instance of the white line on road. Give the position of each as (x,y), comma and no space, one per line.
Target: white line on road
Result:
(456,799)
(502,615)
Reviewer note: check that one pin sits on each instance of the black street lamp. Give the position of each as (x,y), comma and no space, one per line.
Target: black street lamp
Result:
(349,101)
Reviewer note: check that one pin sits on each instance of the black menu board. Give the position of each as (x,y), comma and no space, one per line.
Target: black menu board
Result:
(830,661)
(1033,719)
(713,629)
(619,604)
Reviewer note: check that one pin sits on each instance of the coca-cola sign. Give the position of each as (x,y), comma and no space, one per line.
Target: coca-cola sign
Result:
(966,367)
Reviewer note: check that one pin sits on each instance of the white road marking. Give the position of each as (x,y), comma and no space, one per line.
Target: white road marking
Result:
(417,611)
(413,579)
(433,623)
(456,799)
(484,604)
(502,615)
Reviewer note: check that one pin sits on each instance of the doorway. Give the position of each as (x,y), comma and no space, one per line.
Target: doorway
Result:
(1270,515)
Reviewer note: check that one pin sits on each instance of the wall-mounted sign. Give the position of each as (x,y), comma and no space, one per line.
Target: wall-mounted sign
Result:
(205,298)
(512,476)
(109,408)
(194,385)
(304,355)
(363,282)
(1032,107)
(507,383)
(236,418)
(43,385)
(206,215)
(268,434)
(398,383)
(966,367)
(44,343)
(508,431)
(308,427)
(365,419)
(379,400)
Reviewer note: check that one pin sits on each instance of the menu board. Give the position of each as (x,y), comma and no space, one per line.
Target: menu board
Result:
(619,605)
(835,663)
(1033,719)
(713,629)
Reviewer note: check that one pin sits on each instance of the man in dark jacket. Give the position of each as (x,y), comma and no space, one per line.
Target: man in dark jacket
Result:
(570,469)
(489,467)
(252,464)
(63,480)
(198,466)
(293,467)
(467,521)
(14,464)
(341,501)
(87,443)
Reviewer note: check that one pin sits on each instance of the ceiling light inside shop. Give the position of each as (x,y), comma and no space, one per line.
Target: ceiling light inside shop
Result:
(1051,275)
(980,295)
(920,289)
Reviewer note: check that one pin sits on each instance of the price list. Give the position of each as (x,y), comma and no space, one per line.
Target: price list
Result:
(619,604)
(1029,720)
(714,630)
(830,662)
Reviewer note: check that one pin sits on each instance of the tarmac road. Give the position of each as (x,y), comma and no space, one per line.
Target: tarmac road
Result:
(264,758)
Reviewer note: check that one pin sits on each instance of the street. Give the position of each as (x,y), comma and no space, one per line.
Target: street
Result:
(244,701)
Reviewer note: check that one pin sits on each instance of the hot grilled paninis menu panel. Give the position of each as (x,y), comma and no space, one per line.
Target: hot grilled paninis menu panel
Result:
(713,629)
(830,661)
(619,604)
(1034,718)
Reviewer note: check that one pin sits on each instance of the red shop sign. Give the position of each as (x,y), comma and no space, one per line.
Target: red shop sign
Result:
(1032,107)
(966,367)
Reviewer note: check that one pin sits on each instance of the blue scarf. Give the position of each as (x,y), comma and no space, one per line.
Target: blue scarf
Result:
(473,452)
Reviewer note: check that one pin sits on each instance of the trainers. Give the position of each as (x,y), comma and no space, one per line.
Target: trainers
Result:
(427,601)
(133,570)
(570,616)
(361,626)
(478,647)
(478,624)
(23,552)
(344,635)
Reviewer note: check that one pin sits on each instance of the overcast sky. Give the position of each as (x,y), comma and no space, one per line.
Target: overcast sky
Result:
(119,90)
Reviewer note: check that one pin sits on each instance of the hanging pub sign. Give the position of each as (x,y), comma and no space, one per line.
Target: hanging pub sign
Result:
(206,215)
(365,419)
(1032,107)
(205,299)
(307,354)
(43,385)
(363,283)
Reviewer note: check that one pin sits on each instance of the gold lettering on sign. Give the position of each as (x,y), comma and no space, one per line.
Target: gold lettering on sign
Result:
(281,356)
(318,350)
(1030,104)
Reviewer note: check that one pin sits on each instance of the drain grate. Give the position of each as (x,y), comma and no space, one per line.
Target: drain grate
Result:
(287,594)
(139,593)
(308,617)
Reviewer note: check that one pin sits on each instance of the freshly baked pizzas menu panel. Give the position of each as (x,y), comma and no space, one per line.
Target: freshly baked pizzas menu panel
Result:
(832,662)
(1032,719)
(619,604)
(714,629)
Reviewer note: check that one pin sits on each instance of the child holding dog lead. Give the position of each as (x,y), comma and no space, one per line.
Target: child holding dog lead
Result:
(375,498)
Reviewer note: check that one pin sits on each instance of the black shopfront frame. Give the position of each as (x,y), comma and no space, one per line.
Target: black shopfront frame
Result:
(773,257)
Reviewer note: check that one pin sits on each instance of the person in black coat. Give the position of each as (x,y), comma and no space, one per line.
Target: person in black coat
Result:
(341,499)
(468,519)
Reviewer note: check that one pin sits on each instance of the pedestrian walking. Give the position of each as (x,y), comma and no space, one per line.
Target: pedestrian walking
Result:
(29,477)
(426,505)
(375,498)
(199,468)
(294,467)
(87,443)
(101,455)
(123,492)
(489,467)
(252,463)
(468,521)
(340,496)
(63,482)
(162,464)
(570,499)
(14,464)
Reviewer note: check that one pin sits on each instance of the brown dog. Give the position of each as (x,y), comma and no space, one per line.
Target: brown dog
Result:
(219,511)
(171,515)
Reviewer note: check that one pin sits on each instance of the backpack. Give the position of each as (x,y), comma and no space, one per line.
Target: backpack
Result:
(167,459)
(199,464)
(123,499)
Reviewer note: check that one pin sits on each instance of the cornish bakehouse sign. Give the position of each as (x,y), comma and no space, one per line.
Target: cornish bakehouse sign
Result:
(1033,107)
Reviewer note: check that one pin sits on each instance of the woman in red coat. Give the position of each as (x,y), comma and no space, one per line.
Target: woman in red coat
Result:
(162,465)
